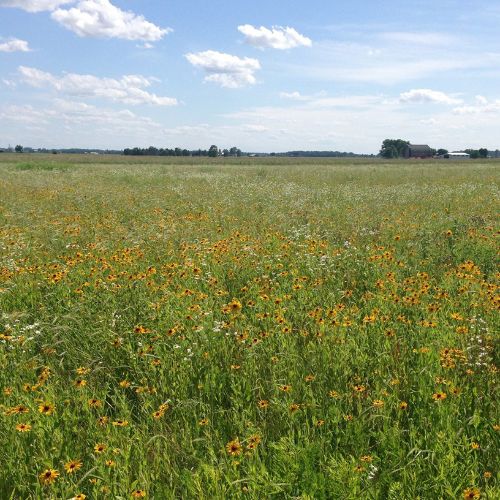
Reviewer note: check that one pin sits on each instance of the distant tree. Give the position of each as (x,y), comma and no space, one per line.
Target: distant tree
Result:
(442,152)
(483,153)
(213,152)
(225,153)
(19,149)
(393,148)
(474,153)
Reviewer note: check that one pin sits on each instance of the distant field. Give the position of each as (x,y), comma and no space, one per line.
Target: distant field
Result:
(248,328)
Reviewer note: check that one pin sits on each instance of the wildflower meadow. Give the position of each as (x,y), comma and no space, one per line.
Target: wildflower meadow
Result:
(248,328)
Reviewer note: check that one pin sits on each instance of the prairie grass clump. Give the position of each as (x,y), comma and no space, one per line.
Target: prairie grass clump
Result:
(302,329)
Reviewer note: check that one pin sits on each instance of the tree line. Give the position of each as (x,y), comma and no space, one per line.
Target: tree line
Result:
(395,148)
(212,152)
(321,154)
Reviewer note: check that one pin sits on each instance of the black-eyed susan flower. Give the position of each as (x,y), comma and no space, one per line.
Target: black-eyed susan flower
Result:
(23,427)
(234,447)
(472,493)
(46,408)
(103,421)
(48,476)
(72,466)
(100,448)
(120,423)
(17,410)
(439,396)
(138,494)
(254,440)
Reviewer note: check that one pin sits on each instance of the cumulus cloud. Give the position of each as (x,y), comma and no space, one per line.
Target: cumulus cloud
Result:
(277,37)
(15,45)
(102,19)
(224,69)
(34,5)
(129,89)
(428,95)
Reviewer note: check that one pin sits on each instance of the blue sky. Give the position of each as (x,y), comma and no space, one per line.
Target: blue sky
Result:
(263,75)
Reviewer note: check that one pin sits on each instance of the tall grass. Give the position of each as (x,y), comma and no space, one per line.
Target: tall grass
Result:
(248,328)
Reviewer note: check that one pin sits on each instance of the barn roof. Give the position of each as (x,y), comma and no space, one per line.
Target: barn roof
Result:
(419,147)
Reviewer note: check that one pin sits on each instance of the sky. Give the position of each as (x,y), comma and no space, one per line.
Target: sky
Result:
(263,76)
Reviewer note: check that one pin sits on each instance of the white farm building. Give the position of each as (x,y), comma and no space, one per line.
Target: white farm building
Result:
(458,156)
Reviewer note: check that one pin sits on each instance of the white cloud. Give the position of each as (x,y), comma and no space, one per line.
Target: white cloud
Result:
(277,37)
(322,100)
(482,106)
(294,96)
(67,123)
(9,83)
(102,19)
(25,114)
(224,69)
(129,89)
(15,45)
(428,95)
(419,38)
(255,129)
(34,5)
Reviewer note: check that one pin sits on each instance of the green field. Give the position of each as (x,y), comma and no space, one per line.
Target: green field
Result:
(248,328)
